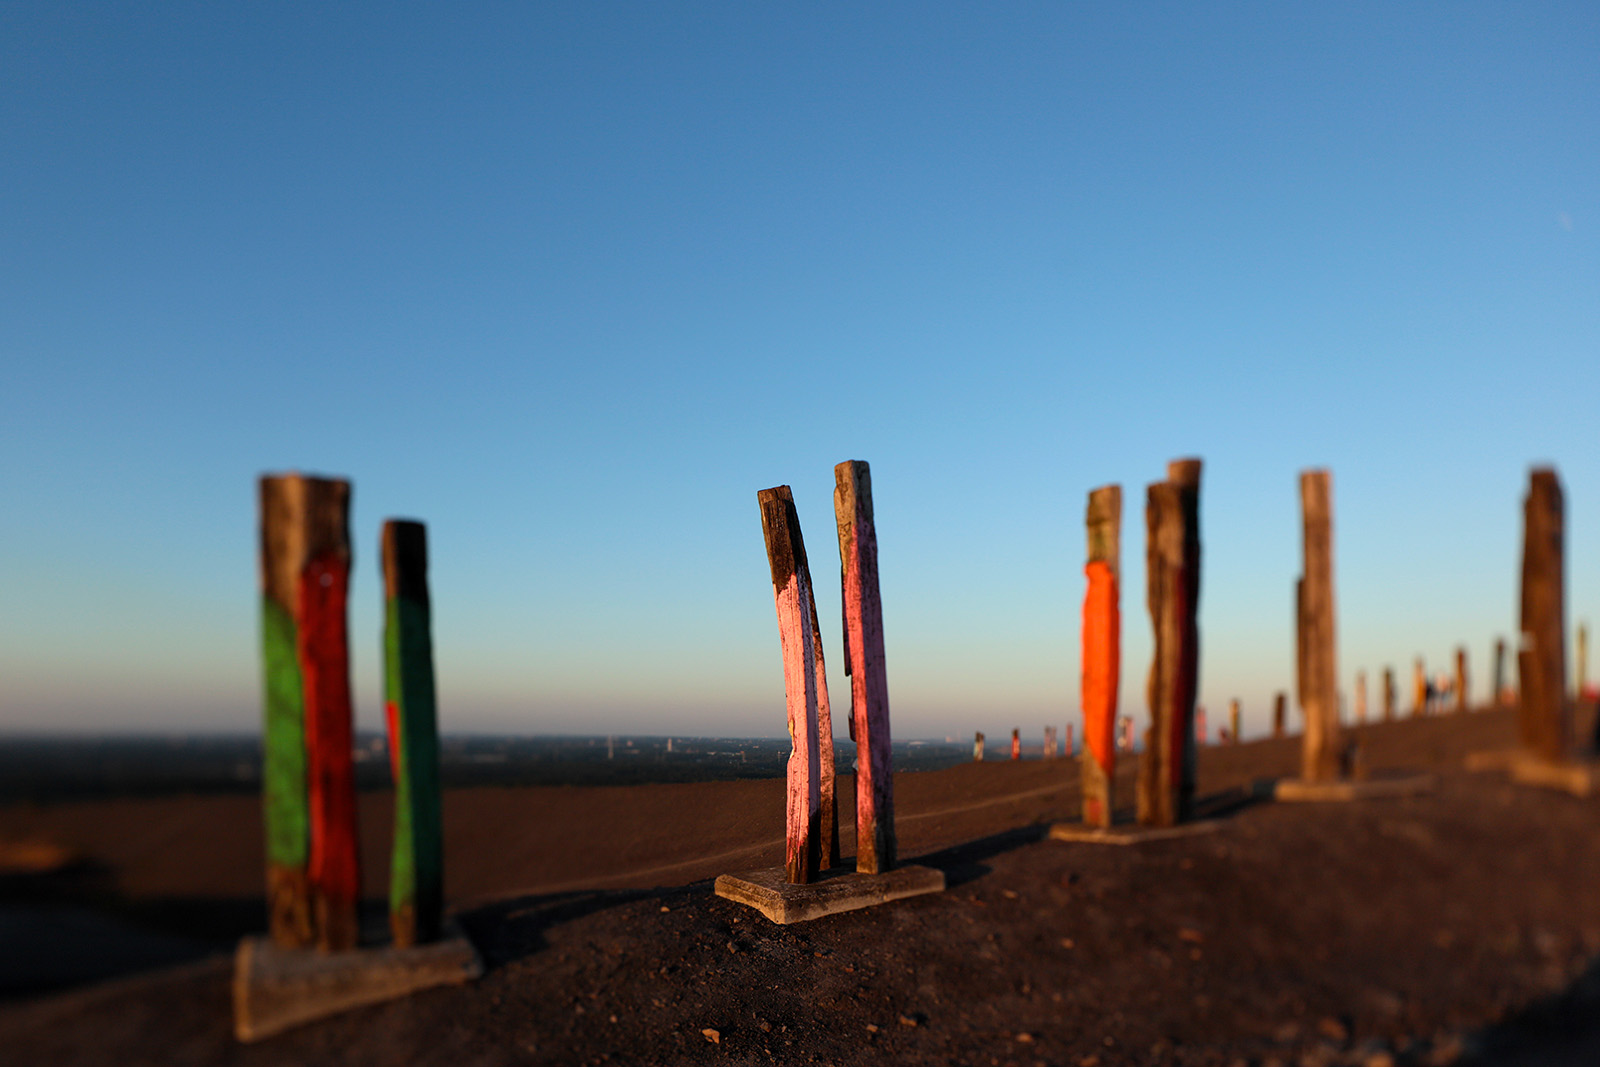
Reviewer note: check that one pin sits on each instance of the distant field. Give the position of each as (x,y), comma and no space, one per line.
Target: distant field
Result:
(59,768)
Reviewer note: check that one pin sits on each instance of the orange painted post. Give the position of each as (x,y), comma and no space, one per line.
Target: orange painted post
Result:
(1016,744)
(791,590)
(313,865)
(864,663)
(1101,663)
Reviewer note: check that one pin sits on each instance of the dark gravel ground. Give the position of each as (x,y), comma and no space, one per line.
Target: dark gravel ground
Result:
(1458,927)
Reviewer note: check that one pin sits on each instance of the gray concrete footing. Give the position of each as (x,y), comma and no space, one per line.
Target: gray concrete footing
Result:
(1130,833)
(1298,789)
(277,988)
(769,892)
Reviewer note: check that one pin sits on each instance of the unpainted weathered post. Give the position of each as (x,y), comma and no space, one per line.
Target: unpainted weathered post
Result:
(308,779)
(1361,698)
(1545,717)
(1068,749)
(1461,678)
(1498,697)
(1388,694)
(1200,725)
(1582,681)
(1166,769)
(1318,671)
(1419,688)
(1185,474)
(416,870)
(1101,663)
(1280,714)
(1233,721)
(780,524)
(977,747)
(864,663)
(1049,742)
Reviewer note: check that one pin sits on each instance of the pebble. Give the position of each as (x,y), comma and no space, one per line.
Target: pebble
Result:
(908,1020)
(1381,1058)
(713,1036)
(1333,1029)
(1025,1038)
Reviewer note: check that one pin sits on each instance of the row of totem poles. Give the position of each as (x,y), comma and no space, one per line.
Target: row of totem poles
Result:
(308,777)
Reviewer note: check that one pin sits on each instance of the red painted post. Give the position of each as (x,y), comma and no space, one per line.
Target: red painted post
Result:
(306,576)
(1101,661)
(1016,744)
(864,663)
(792,594)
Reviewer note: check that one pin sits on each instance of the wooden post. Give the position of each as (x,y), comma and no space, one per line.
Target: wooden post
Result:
(1461,678)
(977,747)
(1049,742)
(1583,661)
(416,872)
(1016,743)
(1101,663)
(1498,697)
(1361,698)
(1200,726)
(1280,714)
(1545,718)
(791,582)
(864,662)
(1185,474)
(1233,721)
(1318,667)
(1419,688)
(1069,749)
(1388,694)
(308,775)
(1166,789)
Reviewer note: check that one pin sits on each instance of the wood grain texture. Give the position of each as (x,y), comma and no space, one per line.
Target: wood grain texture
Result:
(1318,679)
(1170,737)
(416,870)
(864,663)
(780,524)
(307,777)
(1185,475)
(1101,659)
(1545,718)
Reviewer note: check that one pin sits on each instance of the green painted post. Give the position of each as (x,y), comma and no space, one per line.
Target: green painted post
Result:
(416,883)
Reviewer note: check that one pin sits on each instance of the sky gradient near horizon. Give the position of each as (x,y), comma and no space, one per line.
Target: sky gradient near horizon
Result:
(571,282)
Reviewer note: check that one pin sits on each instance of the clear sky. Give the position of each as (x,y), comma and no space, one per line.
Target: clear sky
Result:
(571,282)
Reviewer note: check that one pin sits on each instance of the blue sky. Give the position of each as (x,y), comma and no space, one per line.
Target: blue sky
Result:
(572,282)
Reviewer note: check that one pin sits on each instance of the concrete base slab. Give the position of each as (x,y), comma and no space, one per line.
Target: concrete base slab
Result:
(1129,833)
(276,988)
(1581,779)
(1296,789)
(772,895)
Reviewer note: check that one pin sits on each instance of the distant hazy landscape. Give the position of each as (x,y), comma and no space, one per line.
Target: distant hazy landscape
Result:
(43,768)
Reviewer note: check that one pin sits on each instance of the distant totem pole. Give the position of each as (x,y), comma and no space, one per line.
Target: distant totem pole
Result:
(1318,673)
(1172,574)
(864,663)
(1101,663)
(1545,715)
(805,685)
(416,872)
(308,777)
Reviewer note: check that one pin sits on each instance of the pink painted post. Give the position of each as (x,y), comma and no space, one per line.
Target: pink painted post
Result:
(864,663)
(791,589)
(1200,726)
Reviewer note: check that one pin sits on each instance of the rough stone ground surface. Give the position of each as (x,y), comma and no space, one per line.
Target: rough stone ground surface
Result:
(1458,927)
